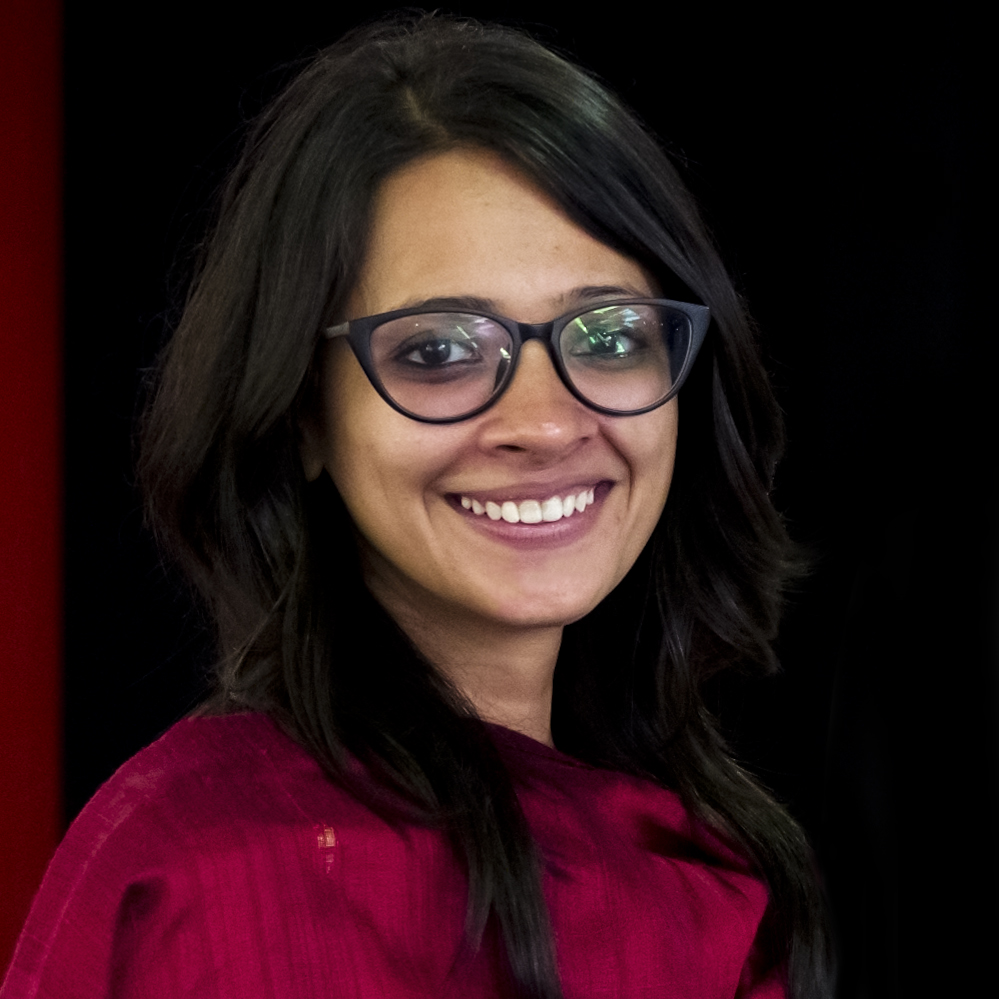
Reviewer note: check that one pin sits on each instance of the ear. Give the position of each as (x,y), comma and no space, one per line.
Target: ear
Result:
(311,447)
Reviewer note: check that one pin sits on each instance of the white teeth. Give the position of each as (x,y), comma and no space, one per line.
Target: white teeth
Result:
(531,511)
(551,510)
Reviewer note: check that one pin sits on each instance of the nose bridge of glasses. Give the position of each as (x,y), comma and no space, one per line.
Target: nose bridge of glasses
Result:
(527,373)
(537,331)
(525,332)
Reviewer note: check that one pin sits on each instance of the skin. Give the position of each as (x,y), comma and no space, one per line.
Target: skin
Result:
(486,611)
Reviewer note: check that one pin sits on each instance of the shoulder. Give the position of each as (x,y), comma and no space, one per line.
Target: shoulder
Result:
(620,850)
(180,841)
(208,788)
(206,771)
(655,815)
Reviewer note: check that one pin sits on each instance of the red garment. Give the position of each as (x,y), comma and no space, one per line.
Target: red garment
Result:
(221,862)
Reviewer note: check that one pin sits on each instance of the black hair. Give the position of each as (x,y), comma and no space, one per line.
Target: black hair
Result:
(274,555)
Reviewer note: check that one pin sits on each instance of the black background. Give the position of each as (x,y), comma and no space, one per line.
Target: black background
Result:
(836,163)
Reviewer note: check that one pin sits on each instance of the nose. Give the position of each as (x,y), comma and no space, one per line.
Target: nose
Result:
(537,415)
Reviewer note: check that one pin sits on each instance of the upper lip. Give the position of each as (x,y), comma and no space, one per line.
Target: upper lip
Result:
(532,491)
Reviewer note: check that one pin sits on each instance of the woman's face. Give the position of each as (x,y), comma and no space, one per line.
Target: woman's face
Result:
(465,225)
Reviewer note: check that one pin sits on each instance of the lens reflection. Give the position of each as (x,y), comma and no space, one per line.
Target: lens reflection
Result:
(618,357)
(446,365)
(441,365)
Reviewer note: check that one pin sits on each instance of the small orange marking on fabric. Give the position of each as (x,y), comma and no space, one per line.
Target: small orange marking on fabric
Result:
(326,838)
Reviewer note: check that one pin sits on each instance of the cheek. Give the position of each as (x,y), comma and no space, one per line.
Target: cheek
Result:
(383,464)
(353,433)
(648,445)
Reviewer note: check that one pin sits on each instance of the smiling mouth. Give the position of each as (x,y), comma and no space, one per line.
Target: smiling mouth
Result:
(531,511)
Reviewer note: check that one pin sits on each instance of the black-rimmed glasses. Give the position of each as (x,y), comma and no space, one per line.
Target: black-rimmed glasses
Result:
(621,358)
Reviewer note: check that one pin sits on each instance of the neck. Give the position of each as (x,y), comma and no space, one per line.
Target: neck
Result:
(506,675)
(505,671)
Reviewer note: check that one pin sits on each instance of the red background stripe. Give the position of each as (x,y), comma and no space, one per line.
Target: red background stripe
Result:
(30,451)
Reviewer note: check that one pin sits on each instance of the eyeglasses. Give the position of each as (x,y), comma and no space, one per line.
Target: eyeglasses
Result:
(620,358)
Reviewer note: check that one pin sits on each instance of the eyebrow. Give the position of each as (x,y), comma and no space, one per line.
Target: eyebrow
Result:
(567,300)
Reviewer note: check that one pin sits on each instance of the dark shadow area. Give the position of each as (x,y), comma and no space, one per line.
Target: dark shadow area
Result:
(839,175)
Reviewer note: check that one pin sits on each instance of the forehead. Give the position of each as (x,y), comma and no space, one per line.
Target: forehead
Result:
(467,223)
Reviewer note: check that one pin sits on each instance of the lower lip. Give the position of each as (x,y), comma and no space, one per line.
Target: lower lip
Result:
(544,535)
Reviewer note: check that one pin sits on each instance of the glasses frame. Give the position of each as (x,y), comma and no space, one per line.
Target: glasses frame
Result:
(358,334)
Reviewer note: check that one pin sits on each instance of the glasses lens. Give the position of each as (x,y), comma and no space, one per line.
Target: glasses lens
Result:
(441,365)
(625,357)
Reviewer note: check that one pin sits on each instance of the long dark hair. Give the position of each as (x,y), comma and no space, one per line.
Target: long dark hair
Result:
(274,556)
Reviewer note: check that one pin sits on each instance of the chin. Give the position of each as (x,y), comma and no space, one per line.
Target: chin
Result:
(543,610)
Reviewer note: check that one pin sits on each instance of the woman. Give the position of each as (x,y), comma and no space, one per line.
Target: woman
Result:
(413,440)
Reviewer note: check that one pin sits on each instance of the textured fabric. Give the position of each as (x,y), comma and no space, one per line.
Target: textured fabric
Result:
(220,862)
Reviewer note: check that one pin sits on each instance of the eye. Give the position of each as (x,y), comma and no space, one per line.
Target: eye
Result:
(607,335)
(439,350)
(605,343)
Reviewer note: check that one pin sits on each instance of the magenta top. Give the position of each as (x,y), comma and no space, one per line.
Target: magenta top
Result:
(221,862)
